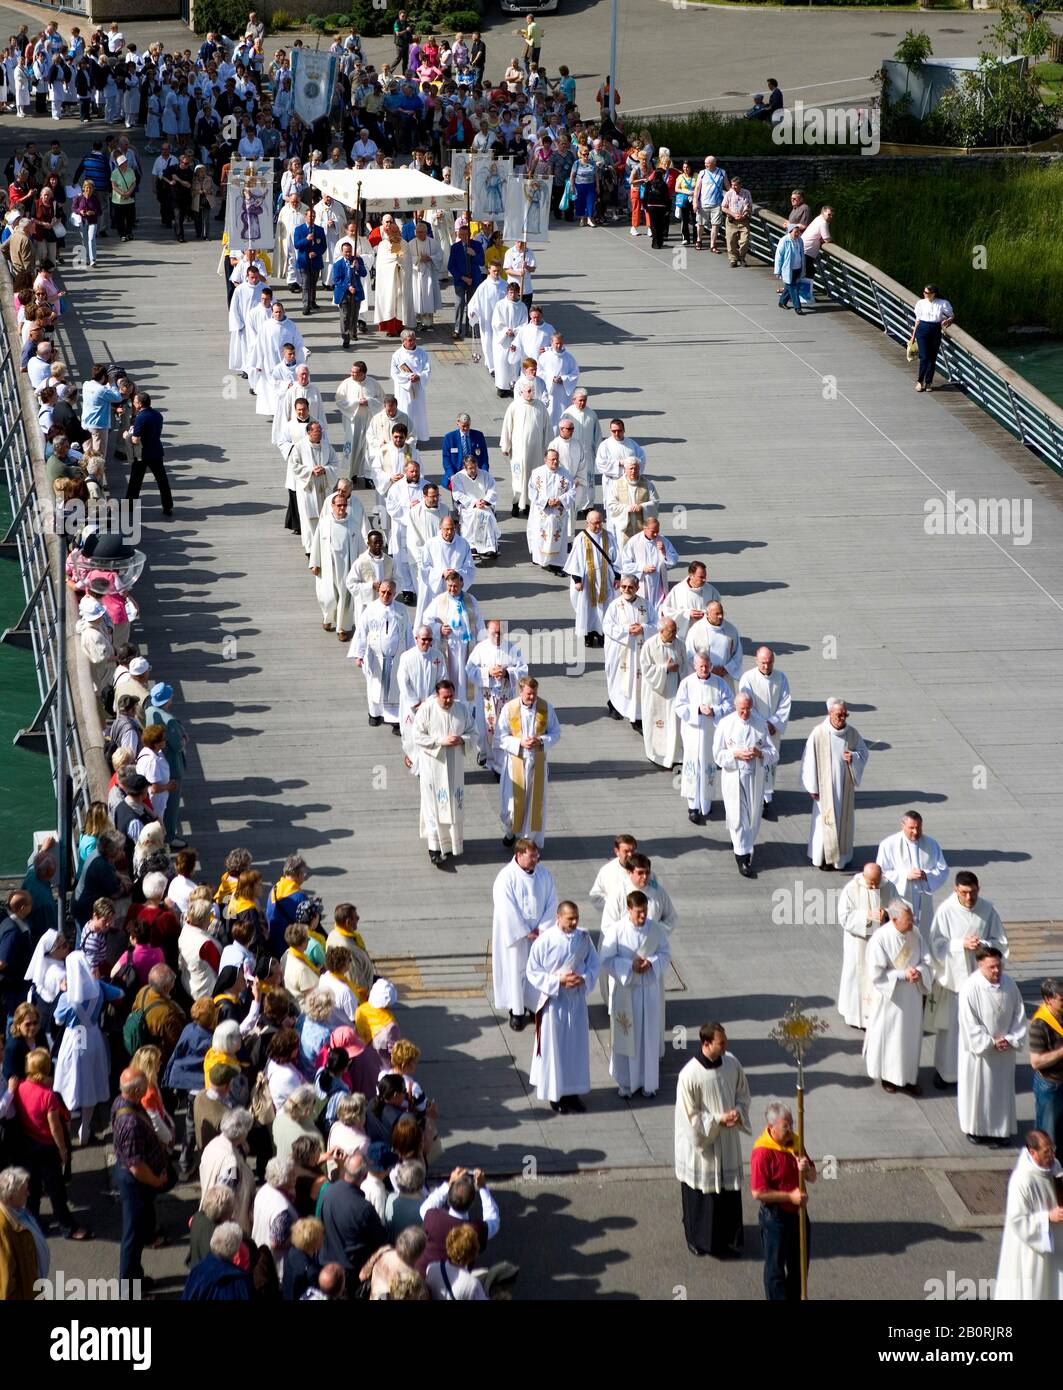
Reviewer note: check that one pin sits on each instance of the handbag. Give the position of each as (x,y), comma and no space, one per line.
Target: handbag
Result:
(566,198)
(58,229)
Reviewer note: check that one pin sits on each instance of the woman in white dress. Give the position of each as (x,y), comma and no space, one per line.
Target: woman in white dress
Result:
(82,1069)
(153,125)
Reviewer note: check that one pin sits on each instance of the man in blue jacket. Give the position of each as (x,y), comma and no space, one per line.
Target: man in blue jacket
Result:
(310,247)
(458,445)
(347,292)
(466,266)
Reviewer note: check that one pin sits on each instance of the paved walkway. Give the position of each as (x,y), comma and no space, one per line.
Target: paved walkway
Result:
(802,461)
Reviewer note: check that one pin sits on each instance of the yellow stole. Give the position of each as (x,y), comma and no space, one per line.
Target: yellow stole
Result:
(354,936)
(516,770)
(595,576)
(370,1020)
(1045,1014)
(360,994)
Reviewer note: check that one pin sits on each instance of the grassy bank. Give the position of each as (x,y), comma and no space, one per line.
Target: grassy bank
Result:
(729,135)
(931,227)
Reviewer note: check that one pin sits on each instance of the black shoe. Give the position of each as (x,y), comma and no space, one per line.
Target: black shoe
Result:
(940,1084)
(518,1024)
(974,1139)
(375,721)
(504,394)
(396,730)
(575,1105)
(695,1251)
(408,598)
(516,509)
(434,857)
(555,569)
(346,343)
(636,724)
(614,713)
(744,867)
(587,642)
(555,1106)
(695,818)
(800,313)
(509,841)
(769,812)
(826,868)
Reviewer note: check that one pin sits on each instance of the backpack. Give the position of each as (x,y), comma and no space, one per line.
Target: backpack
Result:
(263,1111)
(135,1033)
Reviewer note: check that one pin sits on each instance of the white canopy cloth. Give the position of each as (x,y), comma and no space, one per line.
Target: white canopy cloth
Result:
(387,190)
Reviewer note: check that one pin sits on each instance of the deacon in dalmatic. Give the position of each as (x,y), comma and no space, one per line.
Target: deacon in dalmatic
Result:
(563,967)
(832,767)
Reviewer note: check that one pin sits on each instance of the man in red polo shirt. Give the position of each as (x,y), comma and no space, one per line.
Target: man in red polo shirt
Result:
(774,1166)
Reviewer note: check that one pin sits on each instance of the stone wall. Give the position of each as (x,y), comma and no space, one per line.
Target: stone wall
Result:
(770,178)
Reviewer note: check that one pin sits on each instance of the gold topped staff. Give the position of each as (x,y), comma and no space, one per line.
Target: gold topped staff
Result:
(795,1033)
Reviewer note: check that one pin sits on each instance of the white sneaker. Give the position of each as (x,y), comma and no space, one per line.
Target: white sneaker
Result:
(634,231)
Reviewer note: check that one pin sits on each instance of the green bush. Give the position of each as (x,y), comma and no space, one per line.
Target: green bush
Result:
(1014,214)
(221,16)
(459,21)
(281,19)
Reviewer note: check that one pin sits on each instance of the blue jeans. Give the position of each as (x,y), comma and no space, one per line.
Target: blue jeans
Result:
(928,341)
(88,241)
(1048,1114)
(138,1221)
(781,1238)
(791,293)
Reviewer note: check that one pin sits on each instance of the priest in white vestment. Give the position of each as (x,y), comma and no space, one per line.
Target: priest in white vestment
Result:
(244,299)
(664,663)
(701,702)
(832,767)
(315,469)
(290,216)
(426,255)
(475,498)
(534,338)
(526,731)
(612,455)
(613,877)
(411,371)
(563,968)
(367,572)
(378,432)
(495,669)
(358,398)
(550,498)
(916,867)
(382,635)
(422,520)
(627,626)
(741,749)
(629,500)
(507,318)
(492,289)
(283,412)
(715,635)
(269,340)
(592,578)
(863,907)
(992,1030)
(962,923)
(635,954)
(711,1111)
(274,384)
(525,903)
(770,691)
(400,494)
(637,876)
(649,555)
(587,430)
(1030,1268)
(524,438)
(454,617)
(420,670)
(560,373)
(441,728)
(393,305)
(338,539)
(445,553)
(687,601)
(901,972)
(576,463)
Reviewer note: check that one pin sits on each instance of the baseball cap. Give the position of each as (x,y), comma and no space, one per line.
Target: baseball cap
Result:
(381,1155)
(139,666)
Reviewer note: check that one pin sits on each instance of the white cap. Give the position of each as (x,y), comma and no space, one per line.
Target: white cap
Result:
(91,609)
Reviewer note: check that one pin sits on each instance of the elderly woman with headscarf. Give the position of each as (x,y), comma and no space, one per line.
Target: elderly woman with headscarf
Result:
(46,973)
(82,1069)
(374,1020)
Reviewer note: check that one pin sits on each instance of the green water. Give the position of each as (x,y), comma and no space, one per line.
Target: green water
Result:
(1040,363)
(27,801)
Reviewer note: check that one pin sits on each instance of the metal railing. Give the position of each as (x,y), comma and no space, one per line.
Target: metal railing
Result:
(29,544)
(1005,395)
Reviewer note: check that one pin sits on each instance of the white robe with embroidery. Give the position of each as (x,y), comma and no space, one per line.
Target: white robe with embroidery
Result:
(742,780)
(382,635)
(524,437)
(547,531)
(509,744)
(594,571)
(895,1032)
(442,773)
(478,524)
(312,488)
(560,375)
(523,903)
(493,692)
(660,728)
(953,963)
(412,396)
(334,549)
(358,402)
(697,731)
(623,653)
(636,1002)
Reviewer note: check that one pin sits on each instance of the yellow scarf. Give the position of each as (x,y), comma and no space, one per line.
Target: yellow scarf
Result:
(767,1142)
(1045,1014)
(305,959)
(216,1059)
(516,770)
(596,567)
(360,994)
(284,888)
(370,1020)
(226,888)
(354,936)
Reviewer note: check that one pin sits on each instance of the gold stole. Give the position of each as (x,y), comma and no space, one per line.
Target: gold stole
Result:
(1045,1014)
(305,959)
(595,576)
(516,769)
(837,833)
(906,954)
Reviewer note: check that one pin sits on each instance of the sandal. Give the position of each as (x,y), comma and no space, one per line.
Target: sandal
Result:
(78,1233)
